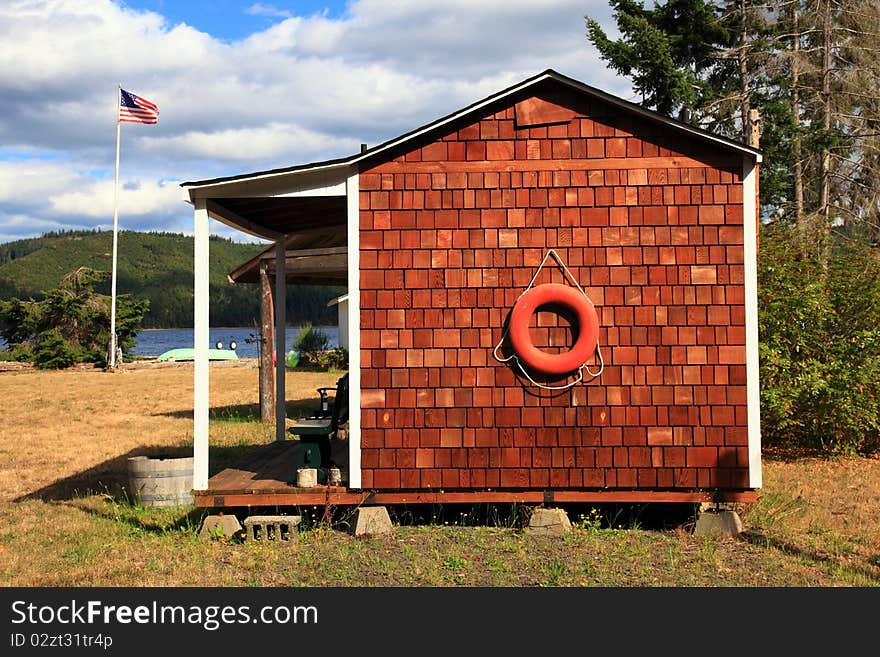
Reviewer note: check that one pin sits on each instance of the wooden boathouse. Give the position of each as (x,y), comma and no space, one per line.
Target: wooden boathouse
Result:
(443,230)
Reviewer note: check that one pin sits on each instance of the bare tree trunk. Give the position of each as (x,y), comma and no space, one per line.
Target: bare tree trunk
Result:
(745,101)
(825,162)
(267,346)
(796,121)
(755,141)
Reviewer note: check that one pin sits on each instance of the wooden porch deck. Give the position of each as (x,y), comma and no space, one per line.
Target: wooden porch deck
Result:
(261,480)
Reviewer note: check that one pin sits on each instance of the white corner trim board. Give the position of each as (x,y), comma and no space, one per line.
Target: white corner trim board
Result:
(750,271)
(352,190)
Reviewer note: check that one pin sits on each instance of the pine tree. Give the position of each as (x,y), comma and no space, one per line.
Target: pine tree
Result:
(830,71)
(854,169)
(70,324)
(812,70)
(669,52)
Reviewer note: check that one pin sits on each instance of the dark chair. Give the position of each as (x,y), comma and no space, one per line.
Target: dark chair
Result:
(325,408)
(321,430)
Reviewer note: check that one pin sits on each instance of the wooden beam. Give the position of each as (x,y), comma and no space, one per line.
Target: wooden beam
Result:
(312,264)
(230,218)
(323,495)
(280,342)
(305,253)
(353,237)
(267,346)
(750,283)
(334,274)
(248,270)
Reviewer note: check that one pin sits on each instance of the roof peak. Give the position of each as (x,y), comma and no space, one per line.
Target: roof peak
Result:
(572,83)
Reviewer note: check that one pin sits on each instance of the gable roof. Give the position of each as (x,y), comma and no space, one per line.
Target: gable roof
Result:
(548,75)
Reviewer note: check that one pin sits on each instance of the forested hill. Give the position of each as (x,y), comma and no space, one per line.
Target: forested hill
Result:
(158,267)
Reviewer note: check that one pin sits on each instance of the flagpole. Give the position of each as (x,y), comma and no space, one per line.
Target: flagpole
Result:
(113,363)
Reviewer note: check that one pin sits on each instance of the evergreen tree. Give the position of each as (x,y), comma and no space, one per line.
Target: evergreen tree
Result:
(711,63)
(71,324)
(812,70)
(670,52)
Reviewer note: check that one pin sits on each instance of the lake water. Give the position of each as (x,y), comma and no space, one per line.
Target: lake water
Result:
(154,342)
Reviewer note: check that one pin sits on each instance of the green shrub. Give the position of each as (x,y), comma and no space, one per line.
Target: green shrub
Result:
(52,351)
(311,343)
(19,354)
(337,359)
(819,335)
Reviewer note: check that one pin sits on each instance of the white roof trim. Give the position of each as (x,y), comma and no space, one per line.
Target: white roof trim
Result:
(189,188)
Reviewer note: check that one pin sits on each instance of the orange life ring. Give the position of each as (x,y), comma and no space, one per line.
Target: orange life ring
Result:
(587,329)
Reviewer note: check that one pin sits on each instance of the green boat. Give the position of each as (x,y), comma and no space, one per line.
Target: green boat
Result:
(190,354)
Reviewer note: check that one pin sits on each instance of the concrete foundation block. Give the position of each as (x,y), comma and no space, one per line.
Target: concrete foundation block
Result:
(549,522)
(271,528)
(371,521)
(217,526)
(720,524)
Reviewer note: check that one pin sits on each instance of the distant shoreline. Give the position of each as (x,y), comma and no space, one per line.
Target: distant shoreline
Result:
(225,328)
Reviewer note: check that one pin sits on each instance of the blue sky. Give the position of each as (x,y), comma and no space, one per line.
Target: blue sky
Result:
(230,20)
(244,86)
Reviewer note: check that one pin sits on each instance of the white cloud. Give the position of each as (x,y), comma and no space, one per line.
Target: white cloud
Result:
(32,179)
(307,88)
(51,193)
(14,226)
(273,140)
(259,9)
(136,197)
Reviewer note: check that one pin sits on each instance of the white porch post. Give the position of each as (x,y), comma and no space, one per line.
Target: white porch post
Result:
(352,191)
(280,338)
(200,325)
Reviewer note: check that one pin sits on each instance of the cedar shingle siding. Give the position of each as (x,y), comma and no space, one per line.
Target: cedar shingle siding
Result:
(650,222)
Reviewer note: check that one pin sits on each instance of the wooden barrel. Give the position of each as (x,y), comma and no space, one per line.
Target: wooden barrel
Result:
(160,482)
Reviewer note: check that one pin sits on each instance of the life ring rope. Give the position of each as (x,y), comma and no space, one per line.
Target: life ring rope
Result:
(580,370)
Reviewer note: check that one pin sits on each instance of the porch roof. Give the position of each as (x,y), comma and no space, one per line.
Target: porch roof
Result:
(327,265)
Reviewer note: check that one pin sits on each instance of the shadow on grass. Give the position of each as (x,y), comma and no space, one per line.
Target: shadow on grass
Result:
(110,477)
(794,453)
(250,412)
(153,521)
(762,539)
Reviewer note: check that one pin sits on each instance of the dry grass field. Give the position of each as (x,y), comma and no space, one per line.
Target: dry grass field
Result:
(64,438)
(72,427)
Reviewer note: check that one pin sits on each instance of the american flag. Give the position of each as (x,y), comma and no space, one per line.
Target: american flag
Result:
(134,109)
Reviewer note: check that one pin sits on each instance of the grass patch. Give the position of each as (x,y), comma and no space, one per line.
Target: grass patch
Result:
(62,522)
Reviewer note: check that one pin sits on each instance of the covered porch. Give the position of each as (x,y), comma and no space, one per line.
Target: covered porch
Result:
(317,266)
(311,215)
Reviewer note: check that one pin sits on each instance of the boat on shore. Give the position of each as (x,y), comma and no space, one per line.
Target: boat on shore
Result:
(175,355)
